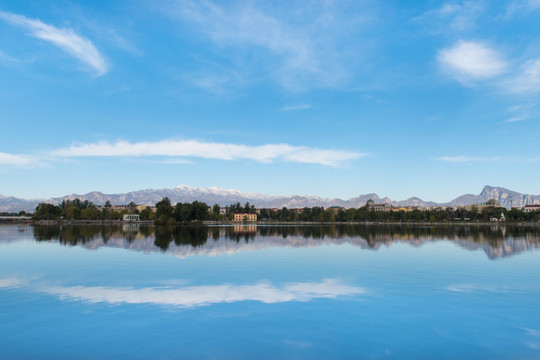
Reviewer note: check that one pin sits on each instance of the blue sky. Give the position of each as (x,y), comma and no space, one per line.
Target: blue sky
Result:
(331,98)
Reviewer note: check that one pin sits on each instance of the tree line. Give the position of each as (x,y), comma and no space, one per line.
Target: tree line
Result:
(167,214)
(363,214)
(78,209)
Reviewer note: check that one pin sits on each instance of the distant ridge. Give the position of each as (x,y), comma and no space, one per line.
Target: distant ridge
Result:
(215,195)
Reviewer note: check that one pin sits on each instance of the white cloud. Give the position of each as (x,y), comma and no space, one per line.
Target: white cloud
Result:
(65,39)
(470,60)
(210,150)
(296,107)
(16,160)
(191,296)
(474,63)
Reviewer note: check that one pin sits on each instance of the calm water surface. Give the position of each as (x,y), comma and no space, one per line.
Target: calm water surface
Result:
(269,292)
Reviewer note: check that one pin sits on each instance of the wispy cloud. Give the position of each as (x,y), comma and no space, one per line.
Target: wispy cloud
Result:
(65,39)
(17,160)
(193,296)
(296,107)
(521,112)
(297,46)
(451,16)
(216,81)
(527,79)
(471,60)
(211,150)
(488,159)
(6,57)
(516,119)
(520,6)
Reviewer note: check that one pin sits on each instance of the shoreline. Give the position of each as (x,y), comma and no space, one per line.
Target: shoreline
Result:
(278,223)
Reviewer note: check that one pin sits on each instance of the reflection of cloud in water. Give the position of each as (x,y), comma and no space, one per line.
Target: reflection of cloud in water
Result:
(190,296)
(10,283)
(536,335)
(298,344)
(469,288)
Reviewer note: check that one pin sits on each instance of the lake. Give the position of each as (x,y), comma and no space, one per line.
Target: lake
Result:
(267,292)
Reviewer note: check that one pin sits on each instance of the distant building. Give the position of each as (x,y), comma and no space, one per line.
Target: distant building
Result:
(131,217)
(371,205)
(501,219)
(335,209)
(143,207)
(120,208)
(531,208)
(405,208)
(245,217)
(480,207)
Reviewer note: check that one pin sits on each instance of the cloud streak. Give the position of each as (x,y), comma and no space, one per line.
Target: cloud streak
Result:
(470,288)
(16,160)
(211,150)
(296,107)
(487,159)
(193,296)
(65,39)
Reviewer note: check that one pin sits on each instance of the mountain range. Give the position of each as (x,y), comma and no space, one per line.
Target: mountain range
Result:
(223,197)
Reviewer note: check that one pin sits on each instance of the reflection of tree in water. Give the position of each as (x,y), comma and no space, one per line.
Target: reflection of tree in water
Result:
(80,234)
(215,233)
(181,235)
(495,239)
(190,235)
(163,236)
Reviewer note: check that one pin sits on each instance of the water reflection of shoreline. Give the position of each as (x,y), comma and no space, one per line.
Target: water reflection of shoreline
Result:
(495,241)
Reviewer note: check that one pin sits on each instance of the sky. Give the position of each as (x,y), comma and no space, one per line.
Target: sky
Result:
(331,98)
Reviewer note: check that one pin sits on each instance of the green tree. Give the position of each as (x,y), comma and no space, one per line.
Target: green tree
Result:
(46,211)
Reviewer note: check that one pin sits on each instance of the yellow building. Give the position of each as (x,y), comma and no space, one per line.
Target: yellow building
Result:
(245,217)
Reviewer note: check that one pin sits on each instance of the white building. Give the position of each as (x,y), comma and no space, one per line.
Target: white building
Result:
(132,217)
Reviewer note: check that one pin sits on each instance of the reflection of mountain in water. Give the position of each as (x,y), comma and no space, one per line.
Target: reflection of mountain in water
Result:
(183,241)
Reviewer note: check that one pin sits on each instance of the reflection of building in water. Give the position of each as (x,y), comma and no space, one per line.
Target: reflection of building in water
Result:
(245,217)
(245,229)
(131,227)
